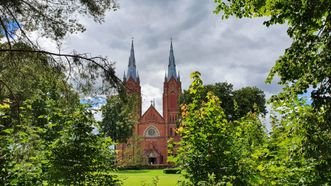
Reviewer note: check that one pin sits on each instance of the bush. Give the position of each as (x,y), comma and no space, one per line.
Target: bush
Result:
(139,167)
(172,171)
(102,179)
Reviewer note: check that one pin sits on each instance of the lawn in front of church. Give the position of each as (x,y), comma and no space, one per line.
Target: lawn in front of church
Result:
(145,177)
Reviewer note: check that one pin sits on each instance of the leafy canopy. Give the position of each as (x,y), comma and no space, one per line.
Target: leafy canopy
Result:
(43,128)
(118,118)
(306,63)
(55,19)
(300,153)
(211,145)
(235,103)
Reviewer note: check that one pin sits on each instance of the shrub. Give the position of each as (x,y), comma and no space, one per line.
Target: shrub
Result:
(138,167)
(172,171)
(102,179)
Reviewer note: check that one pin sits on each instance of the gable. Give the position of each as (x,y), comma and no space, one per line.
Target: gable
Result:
(152,115)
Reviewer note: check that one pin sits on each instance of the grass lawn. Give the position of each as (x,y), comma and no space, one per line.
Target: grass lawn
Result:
(145,176)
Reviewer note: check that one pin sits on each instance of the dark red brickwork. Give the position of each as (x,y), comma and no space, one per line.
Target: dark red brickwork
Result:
(153,128)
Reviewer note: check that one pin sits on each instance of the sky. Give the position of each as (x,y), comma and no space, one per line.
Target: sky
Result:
(237,51)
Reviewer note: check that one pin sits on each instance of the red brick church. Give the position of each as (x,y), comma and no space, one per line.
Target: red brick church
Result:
(155,129)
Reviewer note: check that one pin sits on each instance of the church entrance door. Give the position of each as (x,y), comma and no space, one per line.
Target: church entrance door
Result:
(151,161)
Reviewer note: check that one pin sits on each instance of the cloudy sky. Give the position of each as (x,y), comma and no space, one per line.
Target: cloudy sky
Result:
(240,52)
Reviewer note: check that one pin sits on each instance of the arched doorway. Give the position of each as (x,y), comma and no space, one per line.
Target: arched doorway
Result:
(152,158)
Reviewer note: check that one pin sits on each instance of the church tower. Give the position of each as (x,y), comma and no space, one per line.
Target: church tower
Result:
(132,81)
(171,93)
(153,129)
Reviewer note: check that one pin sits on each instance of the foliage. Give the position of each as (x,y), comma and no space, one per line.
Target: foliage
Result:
(172,171)
(132,155)
(31,157)
(306,62)
(34,99)
(42,124)
(154,182)
(212,145)
(78,152)
(53,18)
(294,142)
(235,103)
(38,113)
(27,76)
(21,143)
(103,179)
(249,99)
(304,67)
(239,152)
(118,118)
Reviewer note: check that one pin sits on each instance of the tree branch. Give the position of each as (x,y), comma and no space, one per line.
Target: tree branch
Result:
(19,26)
(110,72)
(6,32)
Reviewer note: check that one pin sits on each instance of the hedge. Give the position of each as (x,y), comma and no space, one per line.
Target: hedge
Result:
(172,171)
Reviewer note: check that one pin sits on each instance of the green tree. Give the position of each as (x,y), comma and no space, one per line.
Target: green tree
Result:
(305,65)
(21,147)
(32,154)
(286,158)
(78,153)
(37,108)
(235,103)
(212,146)
(249,99)
(55,19)
(223,90)
(132,155)
(36,96)
(118,118)
(31,75)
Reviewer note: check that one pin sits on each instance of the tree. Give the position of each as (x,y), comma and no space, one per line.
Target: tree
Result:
(118,118)
(212,146)
(235,103)
(34,94)
(78,153)
(286,158)
(133,154)
(36,98)
(55,19)
(306,64)
(52,18)
(62,151)
(249,99)
(39,113)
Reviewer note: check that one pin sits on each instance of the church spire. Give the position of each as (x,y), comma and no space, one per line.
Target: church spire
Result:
(172,64)
(132,71)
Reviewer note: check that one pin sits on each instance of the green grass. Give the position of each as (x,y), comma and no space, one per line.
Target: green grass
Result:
(145,176)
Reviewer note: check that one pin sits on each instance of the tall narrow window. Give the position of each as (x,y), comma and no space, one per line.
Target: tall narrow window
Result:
(170,132)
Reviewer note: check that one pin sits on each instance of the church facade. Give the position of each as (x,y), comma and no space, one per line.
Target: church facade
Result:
(152,128)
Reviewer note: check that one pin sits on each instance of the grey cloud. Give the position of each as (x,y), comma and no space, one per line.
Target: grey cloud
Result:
(239,51)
